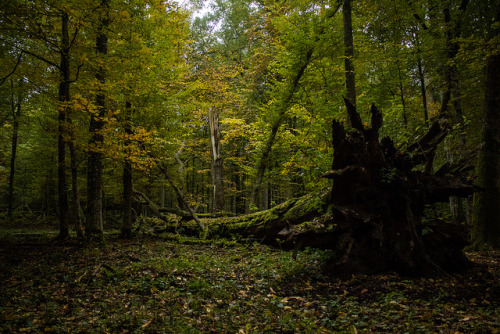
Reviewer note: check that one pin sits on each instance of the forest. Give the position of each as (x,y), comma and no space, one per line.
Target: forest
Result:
(250,166)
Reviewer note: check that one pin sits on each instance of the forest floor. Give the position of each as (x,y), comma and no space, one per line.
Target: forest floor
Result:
(148,285)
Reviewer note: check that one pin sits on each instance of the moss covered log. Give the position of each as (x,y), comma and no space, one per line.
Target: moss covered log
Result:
(264,226)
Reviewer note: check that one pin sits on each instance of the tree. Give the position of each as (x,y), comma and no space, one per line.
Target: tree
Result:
(486,229)
(42,31)
(64,98)
(127,176)
(285,87)
(349,52)
(257,89)
(217,166)
(94,225)
(16,102)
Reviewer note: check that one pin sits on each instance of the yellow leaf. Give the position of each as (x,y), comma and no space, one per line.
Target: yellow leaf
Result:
(147,324)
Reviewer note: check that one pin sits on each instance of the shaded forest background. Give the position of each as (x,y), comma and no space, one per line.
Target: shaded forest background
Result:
(230,111)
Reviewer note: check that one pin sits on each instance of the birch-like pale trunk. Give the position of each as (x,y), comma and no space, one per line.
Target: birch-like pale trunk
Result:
(217,161)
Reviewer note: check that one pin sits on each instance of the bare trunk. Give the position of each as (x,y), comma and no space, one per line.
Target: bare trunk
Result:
(486,227)
(64,97)
(94,228)
(457,209)
(75,194)
(217,162)
(127,179)
(423,89)
(16,114)
(349,53)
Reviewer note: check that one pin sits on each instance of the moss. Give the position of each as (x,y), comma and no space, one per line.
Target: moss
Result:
(311,204)
(257,224)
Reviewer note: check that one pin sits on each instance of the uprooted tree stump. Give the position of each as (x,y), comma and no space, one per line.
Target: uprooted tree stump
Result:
(372,218)
(378,200)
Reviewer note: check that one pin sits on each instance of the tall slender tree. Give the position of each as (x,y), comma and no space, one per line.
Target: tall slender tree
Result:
(64,98)
(127,175)
(350,82)
(486,215)
(217,162)
(16,102)
(94,226)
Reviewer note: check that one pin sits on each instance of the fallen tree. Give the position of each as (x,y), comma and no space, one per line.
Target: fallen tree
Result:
(372,217)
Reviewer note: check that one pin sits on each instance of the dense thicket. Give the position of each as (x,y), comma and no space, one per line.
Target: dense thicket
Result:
(228,110)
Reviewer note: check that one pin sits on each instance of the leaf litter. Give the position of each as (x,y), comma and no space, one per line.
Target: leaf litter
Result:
(152,286)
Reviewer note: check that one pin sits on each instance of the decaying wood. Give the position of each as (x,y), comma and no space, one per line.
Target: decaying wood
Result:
(264,226)
(378,200)
(217,160)
(372,216)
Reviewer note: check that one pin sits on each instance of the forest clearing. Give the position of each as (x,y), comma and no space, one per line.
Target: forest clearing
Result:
(249,166)
(152,285)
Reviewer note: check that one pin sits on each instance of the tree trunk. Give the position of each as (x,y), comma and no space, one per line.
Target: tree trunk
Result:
(486,227)
(75,194)
(217,162)
(282,105)
(349,53)
(94,228)
(453,89)
(264,226)
(64,97)
(402,97)
(16,114)
(423,89)
(262,165)
(127,178)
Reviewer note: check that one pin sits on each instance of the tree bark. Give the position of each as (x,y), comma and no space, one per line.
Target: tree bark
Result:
(75,193)
(486,214)
(16,114)
(94,228)
(350,82)
(64,97)
(423,89)
(217,162)
(453,89)
(127,177)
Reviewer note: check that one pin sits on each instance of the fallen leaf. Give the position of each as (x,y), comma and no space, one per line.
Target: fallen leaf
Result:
(147,324)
